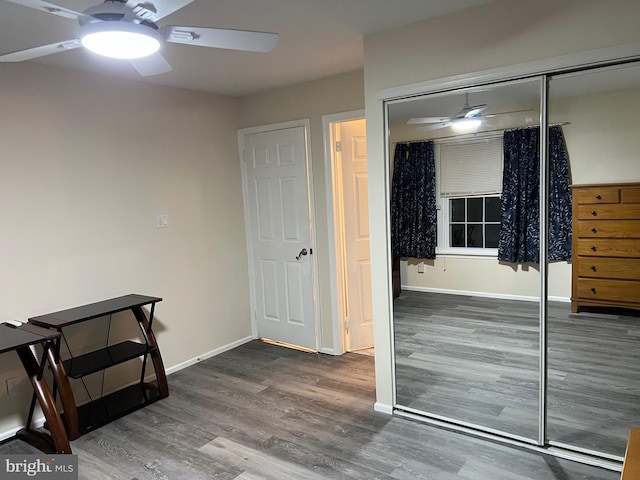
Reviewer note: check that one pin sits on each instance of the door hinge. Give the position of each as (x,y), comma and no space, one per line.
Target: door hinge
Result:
(347,325)
(338,146)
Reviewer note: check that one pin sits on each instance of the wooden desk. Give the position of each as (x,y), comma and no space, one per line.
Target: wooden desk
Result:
(20,339)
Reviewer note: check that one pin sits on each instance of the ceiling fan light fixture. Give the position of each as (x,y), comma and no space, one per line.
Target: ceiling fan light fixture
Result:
(464,125)
(120,40)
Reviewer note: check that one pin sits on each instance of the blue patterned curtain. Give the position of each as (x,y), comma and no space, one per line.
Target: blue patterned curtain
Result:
(519,240)
(413,201)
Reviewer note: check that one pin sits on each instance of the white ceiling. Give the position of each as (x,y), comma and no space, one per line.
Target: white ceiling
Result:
(318,38)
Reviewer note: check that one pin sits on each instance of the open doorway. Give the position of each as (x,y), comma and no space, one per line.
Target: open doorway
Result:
(348,212)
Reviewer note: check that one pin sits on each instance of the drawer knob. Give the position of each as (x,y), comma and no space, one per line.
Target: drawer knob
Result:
(593,289)
(594,230)
(598,197)
(593,248)
(594,213)
(593,268)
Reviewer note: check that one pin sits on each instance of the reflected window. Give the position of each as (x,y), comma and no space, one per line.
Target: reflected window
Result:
(474,222)
(470,183)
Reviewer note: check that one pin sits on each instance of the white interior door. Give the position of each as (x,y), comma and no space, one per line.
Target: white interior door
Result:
(280,238)
(353,153)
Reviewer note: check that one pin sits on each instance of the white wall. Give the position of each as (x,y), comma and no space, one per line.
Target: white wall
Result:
(502,33)
(485,276)
(602,134)
(86,163)
(312,100)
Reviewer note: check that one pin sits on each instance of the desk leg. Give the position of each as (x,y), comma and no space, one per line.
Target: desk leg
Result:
(158,365)
(58,439)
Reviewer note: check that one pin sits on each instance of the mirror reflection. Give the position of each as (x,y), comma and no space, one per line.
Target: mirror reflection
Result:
(466,251)
(467,291)
(594,355)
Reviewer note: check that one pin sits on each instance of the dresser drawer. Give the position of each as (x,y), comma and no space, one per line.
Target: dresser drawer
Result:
(608,248)
(617,268)
(609,290)
(595,195)
(630,194)
(609,228)
(613,212)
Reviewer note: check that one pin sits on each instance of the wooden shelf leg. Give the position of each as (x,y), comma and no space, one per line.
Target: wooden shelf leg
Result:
(156,358)
(59,437)
(71,421)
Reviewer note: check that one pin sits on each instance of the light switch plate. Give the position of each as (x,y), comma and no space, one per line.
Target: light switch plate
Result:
(162,220)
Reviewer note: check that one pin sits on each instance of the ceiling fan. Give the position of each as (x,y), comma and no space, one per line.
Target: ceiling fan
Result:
(128,29)
(467,119)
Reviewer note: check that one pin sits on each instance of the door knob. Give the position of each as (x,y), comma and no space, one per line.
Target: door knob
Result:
(302,253)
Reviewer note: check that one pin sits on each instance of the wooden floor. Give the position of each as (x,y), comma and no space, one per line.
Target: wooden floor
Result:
(266,412)
(477,360)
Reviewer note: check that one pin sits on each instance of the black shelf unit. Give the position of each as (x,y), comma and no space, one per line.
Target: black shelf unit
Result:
(92,362)
(126,399)
(19,338)
(115,405)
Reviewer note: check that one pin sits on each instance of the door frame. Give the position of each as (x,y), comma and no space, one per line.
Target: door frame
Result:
(334,254)
(242,133)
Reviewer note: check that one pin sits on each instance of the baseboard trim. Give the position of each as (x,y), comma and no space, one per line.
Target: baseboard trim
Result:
(212,353)
(8,434)
(502,296)
(328,351)
(383,408)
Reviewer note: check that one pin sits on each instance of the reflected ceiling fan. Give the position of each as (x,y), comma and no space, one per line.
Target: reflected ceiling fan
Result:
(128,29)
(467,119)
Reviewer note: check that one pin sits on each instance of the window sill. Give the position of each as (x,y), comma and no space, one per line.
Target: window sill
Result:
(487,253)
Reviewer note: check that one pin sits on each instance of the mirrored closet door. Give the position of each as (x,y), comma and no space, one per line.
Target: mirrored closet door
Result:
(593,393)
(483,337)
(464,167)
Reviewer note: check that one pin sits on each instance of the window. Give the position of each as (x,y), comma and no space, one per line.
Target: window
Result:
(474,222)
(469,186)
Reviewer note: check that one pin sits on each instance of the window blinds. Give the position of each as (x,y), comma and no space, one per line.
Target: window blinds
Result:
(472,167)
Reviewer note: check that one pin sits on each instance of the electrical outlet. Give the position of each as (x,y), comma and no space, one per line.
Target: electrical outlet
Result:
(421,267)
(12,385)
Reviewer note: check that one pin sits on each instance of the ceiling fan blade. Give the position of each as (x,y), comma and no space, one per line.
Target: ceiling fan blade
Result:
(156,9)
(49,8)
(152,65)
(437,126)
(418,120)
(23,55)
(475,110)
(222,38)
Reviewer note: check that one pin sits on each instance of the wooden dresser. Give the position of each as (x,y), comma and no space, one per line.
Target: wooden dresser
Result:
(606,245)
